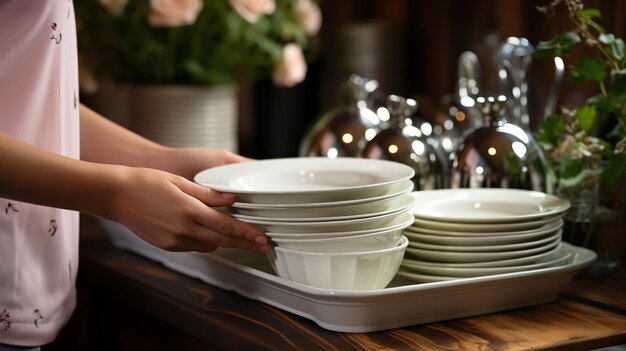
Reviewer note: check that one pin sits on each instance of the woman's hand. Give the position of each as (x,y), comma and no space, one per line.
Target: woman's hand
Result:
(176,214)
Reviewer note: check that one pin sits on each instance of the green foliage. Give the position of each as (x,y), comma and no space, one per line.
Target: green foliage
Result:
(218,47)
(550,132)
(560,45)
(571,140)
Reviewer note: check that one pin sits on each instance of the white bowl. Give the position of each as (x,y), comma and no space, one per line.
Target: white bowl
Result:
(364,209)
(374,222)
(305,179)
(366,270)
(355,243)
(400,223)
(399,203)
(395,189)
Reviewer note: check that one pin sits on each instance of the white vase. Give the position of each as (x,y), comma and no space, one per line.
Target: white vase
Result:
(183,116)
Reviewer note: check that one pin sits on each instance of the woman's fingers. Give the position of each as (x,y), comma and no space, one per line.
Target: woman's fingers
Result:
(208,196)
(239,234)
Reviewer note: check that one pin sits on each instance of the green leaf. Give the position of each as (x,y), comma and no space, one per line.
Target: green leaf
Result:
(571,168)
(617,48)
(618,87)
(573,181)
(615,168)
(550,131)
(586,115)
(589,13)
(590,68)
(559,45)
(607,38)
(604,104)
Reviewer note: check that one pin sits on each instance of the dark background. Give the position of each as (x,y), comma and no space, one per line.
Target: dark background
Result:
(412,48)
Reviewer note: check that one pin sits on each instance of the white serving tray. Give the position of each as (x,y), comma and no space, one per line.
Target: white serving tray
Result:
(403,303)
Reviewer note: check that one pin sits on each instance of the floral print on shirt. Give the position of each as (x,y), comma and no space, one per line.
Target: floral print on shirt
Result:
(5,320)
(38,317)
(10,208)
(52,229)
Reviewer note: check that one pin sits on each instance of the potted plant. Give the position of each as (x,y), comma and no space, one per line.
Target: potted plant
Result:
(192,52)
(586,144)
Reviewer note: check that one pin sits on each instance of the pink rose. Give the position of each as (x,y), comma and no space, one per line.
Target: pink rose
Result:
(309,16)
(173,13)
(114,7)
(251,10)
(291,68)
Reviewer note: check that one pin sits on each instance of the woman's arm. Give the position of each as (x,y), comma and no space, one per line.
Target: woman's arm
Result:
(166,210)
(106,142)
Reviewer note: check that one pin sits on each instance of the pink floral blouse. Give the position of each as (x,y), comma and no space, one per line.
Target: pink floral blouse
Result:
(39,105)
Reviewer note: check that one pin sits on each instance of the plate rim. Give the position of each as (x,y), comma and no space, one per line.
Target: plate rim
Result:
(405,172)
(561,206)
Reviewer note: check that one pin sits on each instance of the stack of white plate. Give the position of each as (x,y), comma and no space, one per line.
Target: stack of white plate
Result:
(460,233)
(336,223)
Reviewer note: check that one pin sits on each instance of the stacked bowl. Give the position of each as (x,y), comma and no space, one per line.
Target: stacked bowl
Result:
(336,223)
(461,233)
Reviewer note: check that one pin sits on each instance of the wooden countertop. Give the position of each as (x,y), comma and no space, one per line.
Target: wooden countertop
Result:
(127,302)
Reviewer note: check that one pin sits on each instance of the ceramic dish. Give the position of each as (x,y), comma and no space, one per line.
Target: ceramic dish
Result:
(366,270)
(395,189)
(443,237)
(368,223)
(378,240)
(560,257)
(402,303)
(499,263)
(460,257)
(421,277)
(399,223)
(305,179)
(487,248)
(338,213)
(483,228)
(425,278)
(486,205)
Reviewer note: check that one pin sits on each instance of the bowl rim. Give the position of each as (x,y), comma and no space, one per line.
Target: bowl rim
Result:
(402,245)
(339,238)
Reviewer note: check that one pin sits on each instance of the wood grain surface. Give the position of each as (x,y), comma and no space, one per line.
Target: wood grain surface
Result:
(127,301)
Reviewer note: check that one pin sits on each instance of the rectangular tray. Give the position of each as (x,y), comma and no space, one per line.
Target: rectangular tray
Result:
(403,303)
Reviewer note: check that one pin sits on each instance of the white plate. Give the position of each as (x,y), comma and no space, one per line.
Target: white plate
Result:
(562,256)
(394,189)
(368,223)
(444,237)
(483,228)
(486,205)
(501,263)
(305,179)
(481,240)
(486,248)
(459,257)
(399,223)
(336,213)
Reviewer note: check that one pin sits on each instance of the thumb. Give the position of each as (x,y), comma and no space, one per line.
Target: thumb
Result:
(207,195)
